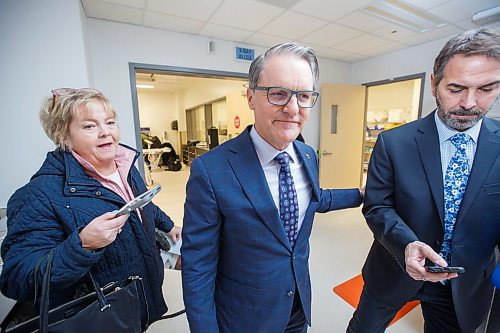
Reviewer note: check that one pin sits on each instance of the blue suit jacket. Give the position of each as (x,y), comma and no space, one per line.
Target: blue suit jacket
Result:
(404,203)
(239,271)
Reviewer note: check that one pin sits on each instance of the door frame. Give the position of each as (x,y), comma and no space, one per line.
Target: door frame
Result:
(398,79)
(167,70)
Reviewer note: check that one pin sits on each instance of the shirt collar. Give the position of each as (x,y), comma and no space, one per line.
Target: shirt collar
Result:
(446,132)
(266,152)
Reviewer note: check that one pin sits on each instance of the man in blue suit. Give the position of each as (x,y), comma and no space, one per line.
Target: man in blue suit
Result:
(250,206)
(433,197)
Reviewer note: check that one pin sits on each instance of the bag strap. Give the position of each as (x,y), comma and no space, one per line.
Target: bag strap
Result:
(44,298)
(175,314)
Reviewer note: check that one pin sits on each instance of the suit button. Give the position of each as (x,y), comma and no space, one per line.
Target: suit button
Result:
(290,293)
(98,193)
(72,190)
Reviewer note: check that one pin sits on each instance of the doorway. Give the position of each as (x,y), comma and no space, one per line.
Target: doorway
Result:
(167,103)
(389,104)
(353,116)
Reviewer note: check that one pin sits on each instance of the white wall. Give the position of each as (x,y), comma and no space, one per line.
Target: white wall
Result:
(114,45)
(412,60)
(157,111)
(42,49)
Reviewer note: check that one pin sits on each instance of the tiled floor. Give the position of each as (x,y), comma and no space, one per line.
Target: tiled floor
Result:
(339,244)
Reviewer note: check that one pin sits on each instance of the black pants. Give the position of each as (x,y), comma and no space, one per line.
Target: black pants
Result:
(297,322)
(437,308)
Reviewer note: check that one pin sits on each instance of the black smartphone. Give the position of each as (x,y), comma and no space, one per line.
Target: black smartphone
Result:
(450,269)
(139,201)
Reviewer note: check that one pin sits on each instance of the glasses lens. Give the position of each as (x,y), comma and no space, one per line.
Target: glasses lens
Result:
(278,96)
(307,99)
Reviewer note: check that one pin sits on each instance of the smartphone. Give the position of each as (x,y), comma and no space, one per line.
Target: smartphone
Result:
(139,201)
(450,269)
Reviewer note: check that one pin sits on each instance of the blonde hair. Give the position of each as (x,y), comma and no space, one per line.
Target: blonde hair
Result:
(58,111)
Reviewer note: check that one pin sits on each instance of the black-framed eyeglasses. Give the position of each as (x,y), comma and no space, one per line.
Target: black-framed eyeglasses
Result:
(281,96)
(68,91)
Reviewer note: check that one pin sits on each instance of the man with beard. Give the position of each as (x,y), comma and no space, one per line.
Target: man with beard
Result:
(433,198)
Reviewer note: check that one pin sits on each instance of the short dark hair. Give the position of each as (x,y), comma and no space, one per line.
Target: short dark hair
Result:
(304,52)
(481,41)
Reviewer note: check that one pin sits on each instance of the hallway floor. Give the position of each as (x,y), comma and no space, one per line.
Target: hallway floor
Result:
(339,243)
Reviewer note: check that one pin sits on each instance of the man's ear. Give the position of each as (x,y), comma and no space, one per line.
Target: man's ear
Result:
(433,87)
(250,98)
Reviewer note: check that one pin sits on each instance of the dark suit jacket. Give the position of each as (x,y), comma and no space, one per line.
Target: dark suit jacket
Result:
(239,271)
(404,203)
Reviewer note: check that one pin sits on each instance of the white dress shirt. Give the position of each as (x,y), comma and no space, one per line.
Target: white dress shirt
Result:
(266,154)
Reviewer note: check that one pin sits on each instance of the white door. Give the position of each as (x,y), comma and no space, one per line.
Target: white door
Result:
(342,131)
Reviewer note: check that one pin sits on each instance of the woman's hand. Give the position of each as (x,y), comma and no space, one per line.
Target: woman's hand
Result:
(175,233)
(102,231)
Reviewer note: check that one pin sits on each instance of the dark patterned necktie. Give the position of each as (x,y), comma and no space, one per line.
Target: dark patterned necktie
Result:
(455,182)
(289,205)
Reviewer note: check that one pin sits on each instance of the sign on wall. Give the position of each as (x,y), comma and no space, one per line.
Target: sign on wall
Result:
(243,53)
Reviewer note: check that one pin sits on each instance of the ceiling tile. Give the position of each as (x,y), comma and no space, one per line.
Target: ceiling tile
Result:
(293,25)
(362,43)
(130,3)
(173,23)
(428,36)
(109,11)
(330,34)
(286,4)
(459,10)
(265,40)
(329,10)
(249,15)
(354,58)
(394,32)
(193,9)
(222,32)
(383,49)
(333,53)
(362,21)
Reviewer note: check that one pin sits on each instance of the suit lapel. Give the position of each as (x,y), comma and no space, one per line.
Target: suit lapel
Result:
(310,165)
(428,148)
(488,149)
(247,169)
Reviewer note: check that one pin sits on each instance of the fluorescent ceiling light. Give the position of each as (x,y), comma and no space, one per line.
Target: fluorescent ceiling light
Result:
(145,86)
(404,14)
(487,17)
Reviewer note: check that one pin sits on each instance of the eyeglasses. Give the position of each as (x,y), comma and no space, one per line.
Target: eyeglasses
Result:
(69,91)
(281,96)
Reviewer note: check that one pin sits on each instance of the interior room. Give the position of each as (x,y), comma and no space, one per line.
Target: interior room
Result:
(151,58)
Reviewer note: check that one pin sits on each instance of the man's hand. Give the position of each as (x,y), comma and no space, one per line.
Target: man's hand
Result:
(415,255)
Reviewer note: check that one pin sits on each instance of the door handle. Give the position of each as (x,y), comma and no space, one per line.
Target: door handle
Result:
(326,152)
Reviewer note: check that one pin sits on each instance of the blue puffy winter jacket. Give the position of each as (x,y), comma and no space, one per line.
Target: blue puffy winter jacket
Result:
(49,212)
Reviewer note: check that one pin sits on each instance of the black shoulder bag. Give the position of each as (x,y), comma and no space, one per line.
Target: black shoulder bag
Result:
(113,308)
